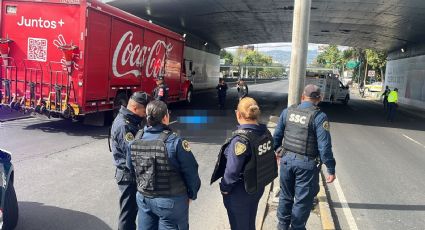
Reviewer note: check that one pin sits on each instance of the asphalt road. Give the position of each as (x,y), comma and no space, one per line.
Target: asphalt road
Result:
(64,173)
(380,167)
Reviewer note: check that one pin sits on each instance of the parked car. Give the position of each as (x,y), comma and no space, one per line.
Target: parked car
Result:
(374,87)
(9,204)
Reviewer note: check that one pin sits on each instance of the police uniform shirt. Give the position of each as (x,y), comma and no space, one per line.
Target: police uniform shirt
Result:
(321,126)
(180,157)
(237,153)
(221,89)
(123,130)
(242,90)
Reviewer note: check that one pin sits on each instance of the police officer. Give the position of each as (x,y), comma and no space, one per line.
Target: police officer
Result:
(161,90)
(221,93)
(304,130)
(166,173)
(128,121)
(242,89)
(392,104)
(246,164)
(385,95)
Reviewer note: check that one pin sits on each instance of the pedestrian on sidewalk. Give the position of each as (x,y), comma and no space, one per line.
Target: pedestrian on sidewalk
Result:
(304,131)
(221,93)
(246,164)
(385,95)
(392,104)
(242,89)
(166,173)
(125,126)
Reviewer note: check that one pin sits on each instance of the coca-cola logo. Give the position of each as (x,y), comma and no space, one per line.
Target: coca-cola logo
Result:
(132,58)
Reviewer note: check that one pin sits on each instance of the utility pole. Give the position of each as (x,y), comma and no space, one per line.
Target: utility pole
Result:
(300,29)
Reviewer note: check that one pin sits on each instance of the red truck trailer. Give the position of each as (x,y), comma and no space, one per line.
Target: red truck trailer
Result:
(69,58)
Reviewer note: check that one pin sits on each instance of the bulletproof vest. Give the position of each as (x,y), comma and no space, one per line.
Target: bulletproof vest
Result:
(260,169)
(299,136)
(155,176)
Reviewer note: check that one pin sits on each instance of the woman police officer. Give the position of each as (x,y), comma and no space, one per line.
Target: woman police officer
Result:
(166,173)
(246,164)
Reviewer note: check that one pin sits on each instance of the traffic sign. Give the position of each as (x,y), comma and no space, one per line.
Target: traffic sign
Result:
(371,73)
(352,64)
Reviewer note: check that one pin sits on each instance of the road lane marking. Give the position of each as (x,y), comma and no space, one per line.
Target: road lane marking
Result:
(345,208)
(411,139)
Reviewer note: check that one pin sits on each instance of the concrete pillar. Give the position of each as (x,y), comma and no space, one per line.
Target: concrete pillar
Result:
(300,29)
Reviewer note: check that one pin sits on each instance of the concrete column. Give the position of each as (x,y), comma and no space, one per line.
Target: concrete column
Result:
(300,29)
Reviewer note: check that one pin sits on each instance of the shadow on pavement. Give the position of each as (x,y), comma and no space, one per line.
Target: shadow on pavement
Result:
(70,128)
(368,113)
(34,215)
(400,207)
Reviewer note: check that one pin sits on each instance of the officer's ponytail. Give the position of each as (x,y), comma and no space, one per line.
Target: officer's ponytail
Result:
(249,108)
(155,112)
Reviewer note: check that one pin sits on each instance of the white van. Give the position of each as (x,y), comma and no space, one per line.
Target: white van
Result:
(332,88)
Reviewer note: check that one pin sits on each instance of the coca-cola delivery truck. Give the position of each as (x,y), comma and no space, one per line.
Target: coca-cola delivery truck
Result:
(69,58)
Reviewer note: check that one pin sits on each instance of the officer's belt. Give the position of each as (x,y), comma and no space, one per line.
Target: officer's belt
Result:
(300,156)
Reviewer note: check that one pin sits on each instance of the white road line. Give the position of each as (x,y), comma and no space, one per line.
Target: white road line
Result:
(345,208)
(417,142)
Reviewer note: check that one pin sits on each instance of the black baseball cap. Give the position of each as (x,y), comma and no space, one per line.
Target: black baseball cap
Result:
(312,91)
(160,78)
(140,97)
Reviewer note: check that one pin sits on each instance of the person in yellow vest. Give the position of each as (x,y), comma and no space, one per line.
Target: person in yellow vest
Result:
(392,104)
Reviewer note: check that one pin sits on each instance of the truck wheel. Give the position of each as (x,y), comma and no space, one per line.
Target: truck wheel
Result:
(189,97)
(11,210)
(346,99)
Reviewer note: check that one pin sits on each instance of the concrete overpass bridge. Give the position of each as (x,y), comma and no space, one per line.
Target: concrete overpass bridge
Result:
(392,25)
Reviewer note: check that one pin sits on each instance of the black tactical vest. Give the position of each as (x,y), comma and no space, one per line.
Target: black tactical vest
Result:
(155,176)
(299,136)
(260,169)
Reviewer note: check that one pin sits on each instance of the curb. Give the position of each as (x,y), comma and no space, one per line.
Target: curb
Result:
(324,209)
(262,207)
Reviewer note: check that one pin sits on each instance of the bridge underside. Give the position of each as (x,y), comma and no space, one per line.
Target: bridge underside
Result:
(388,24)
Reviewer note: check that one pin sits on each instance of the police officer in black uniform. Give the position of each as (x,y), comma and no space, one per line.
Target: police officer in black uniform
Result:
(304,131)
(246,164)
(166,173)
(128,121)
(161,90)
(221,93)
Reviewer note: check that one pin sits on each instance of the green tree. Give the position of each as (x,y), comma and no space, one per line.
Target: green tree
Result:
(377,60)
(330,58)
(226,56)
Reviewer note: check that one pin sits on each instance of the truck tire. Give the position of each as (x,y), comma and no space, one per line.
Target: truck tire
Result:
(189,96)
(11,210)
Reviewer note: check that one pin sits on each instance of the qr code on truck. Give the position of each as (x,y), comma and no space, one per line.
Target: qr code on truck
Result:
(37,49)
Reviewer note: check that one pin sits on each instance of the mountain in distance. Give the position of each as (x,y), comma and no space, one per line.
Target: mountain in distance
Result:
(284,57)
